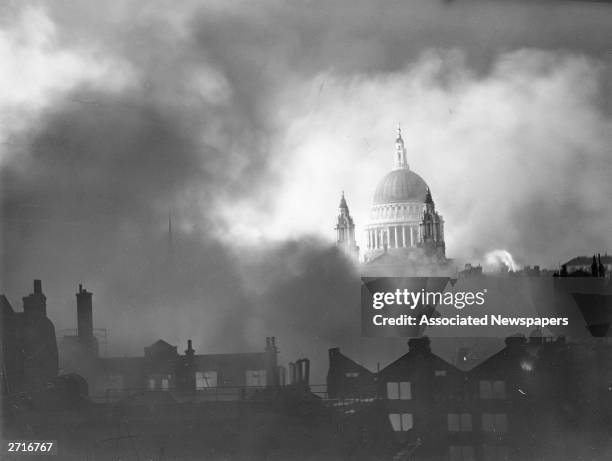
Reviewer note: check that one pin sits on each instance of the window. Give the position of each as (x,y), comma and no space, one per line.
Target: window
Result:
(486,393)
(206,379)
(440,373)
(165,384)
(351,374)
(152,384)
(255,378)
(392,391)
(453,422)
(494,453)
(499,390)
(402,390)
(492,390)
(494,422)
(459,453)
(459,422)
(401,422)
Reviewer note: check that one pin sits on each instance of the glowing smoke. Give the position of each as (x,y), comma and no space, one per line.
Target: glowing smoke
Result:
(496,259)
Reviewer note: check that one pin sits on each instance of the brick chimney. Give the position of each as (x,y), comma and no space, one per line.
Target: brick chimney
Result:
(84,316)
(35,304)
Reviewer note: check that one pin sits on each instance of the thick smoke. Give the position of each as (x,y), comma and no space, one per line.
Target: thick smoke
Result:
(244,122)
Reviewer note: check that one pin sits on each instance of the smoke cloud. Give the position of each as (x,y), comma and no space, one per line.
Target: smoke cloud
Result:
(244,122)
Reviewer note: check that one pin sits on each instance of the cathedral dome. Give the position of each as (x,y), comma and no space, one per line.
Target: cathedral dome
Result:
(400,185)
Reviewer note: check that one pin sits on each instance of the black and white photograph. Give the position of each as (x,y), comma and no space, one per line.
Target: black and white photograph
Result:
(278,230)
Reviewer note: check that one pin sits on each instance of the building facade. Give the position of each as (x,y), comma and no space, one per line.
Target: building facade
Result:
(537,398)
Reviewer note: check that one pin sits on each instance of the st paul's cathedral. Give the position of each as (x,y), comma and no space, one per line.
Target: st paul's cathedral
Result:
(405,234)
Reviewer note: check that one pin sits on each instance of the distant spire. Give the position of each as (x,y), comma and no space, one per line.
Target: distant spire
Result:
(345,229)
(400,150)
(343,202)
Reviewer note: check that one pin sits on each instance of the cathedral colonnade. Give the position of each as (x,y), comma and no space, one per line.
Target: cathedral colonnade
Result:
(394,236)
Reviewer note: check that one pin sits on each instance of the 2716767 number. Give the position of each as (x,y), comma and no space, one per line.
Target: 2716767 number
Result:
(31,447)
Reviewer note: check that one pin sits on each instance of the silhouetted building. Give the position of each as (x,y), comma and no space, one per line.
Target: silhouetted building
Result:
(346,378)
(29,347)
(585,266)
(512,406)
(78,352)
(424,398)
(163,368)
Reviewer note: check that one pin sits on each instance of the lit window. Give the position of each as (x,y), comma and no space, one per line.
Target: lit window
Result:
(165,384)
(440,373)
(206,379)
(255,378)
(152,384)
(393,391)
(351,374)
(405,390)
(402,390)
(401,422)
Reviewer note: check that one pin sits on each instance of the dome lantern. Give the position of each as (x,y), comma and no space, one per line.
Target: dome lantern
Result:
(400,150)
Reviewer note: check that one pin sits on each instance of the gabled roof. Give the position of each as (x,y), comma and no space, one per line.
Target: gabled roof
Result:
(5,306)
(160,346)
(345,363)
(404,363)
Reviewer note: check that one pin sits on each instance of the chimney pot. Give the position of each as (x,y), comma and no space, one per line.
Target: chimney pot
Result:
(37,286)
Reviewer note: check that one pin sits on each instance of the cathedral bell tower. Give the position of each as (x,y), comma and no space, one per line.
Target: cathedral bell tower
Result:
(345,230)
(432,229)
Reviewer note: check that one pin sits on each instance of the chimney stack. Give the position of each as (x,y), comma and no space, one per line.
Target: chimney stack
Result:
(35,304)
(85,317)
(419,345)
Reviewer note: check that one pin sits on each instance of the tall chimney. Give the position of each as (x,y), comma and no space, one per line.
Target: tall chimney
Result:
(84,316)
(35,304)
